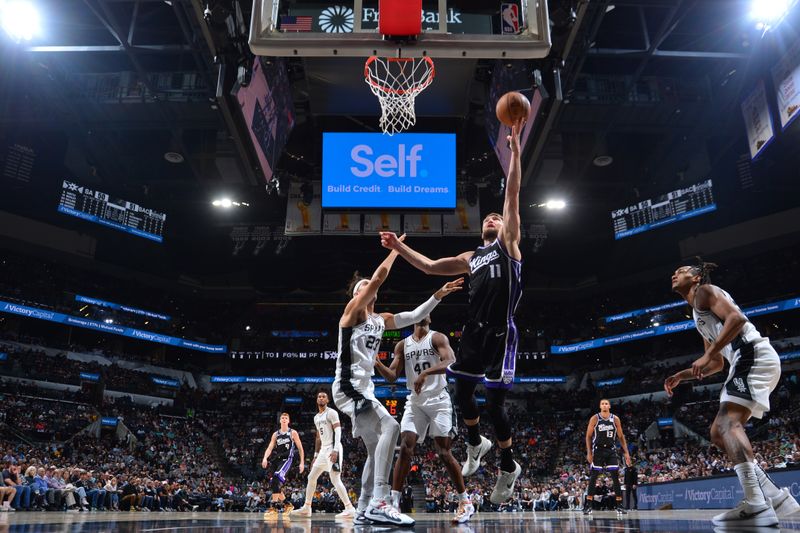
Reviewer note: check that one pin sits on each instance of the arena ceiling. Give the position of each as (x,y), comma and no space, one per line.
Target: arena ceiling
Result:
(654,84)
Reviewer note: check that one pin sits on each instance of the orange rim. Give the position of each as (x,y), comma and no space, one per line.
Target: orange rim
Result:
(389,90)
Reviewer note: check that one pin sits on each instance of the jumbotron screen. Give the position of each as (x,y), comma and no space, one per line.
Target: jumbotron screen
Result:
(99,207)
(672,207)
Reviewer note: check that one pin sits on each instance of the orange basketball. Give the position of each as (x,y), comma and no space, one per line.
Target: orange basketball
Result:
(511,107)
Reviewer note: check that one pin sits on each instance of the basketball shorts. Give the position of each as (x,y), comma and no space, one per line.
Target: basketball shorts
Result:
(354,399)
(754,374)
(323,460)
(605,459)
(433,414)
(279,476)
(486,353)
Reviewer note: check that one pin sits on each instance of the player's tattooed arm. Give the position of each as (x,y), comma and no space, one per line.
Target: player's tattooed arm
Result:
(589,433)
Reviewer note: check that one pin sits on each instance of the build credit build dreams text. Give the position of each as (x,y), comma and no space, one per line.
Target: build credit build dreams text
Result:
(386,166)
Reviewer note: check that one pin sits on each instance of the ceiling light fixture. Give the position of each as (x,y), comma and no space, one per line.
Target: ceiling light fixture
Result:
(19,19)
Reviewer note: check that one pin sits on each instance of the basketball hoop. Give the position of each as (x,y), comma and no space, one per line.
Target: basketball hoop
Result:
(397,81)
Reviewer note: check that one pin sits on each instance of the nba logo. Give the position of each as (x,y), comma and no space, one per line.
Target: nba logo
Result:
(509,19)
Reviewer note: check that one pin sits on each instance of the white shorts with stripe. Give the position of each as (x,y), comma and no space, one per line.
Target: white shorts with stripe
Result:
(754,374)
(434,414)
(323,460)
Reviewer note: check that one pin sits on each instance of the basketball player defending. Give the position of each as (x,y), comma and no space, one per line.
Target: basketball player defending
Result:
(427,354)
(284,442)
(327,458)
(755,369)
(601,439)
(360,332)
(489,338)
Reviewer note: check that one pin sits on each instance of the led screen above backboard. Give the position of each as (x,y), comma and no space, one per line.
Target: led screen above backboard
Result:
(377,171)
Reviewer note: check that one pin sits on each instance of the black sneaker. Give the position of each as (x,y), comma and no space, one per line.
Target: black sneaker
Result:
(587,510)
(621,510)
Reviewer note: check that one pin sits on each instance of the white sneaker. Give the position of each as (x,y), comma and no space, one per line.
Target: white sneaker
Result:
(747,515)
(504,486)
(785,504)
(349,513)
(464,512)
(474,456)
(361,519)
(382,512)
(302,512)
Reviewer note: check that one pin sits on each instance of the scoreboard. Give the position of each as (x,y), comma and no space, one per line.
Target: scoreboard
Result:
(672,207)
(395,406)
(99,207)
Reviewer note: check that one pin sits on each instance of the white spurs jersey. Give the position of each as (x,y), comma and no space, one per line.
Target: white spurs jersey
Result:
(709,325)
(419,356)
(358,346)
(324,422)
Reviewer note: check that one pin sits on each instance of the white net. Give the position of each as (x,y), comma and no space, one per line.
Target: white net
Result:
(397,81)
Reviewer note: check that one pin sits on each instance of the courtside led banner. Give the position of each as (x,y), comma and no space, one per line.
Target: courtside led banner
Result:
(377,171)
(400,381)
(50,316)
(764,309)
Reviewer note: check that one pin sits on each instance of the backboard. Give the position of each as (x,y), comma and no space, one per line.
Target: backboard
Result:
(471,29)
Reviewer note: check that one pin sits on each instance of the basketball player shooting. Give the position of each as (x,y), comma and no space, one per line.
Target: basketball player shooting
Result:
(360,332)
(488,348)
(755,370)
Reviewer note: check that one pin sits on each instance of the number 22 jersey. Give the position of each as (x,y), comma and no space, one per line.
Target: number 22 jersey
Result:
(358,346)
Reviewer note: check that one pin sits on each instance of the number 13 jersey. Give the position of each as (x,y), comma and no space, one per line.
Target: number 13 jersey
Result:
(358,346)
(419,356)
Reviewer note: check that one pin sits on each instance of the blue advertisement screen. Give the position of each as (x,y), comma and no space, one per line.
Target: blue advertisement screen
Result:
(377,171)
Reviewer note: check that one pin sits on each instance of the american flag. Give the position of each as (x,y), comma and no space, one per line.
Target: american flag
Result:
(296,23)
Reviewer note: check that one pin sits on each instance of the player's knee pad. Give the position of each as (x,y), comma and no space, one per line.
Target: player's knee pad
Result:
(465,399)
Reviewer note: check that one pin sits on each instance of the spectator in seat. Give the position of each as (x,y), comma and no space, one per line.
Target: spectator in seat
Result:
(12,478)
(38,489)
(6,496)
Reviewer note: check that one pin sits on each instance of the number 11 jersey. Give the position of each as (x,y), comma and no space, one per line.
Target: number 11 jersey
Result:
(419,356)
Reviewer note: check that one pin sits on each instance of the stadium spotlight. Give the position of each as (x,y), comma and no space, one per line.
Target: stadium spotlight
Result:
(227,203)
(555,204)
(19,19)
(769,13)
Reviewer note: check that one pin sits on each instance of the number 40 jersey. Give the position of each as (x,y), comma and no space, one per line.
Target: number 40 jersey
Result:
(419,356)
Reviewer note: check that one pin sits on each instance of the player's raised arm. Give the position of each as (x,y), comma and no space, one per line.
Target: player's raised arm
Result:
(365,291)
(408,318)
(510,233)
(622,441)
(391,372)
(446,266)
(446,358)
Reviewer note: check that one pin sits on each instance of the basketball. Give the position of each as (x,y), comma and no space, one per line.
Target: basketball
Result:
(511,107)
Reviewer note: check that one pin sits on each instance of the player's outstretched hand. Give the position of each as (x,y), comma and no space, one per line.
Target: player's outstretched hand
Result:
(302,467)
(590,458)
(513,139)
(670,383)
(391,241)
(264,464)
(449,288)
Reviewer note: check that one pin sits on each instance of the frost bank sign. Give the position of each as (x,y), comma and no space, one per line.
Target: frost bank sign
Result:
(721,492)
(372,170)
(341,19)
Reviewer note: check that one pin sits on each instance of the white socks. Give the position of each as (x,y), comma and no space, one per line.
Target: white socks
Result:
(770,489)
(396,499)
(752,489)
(464,497)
